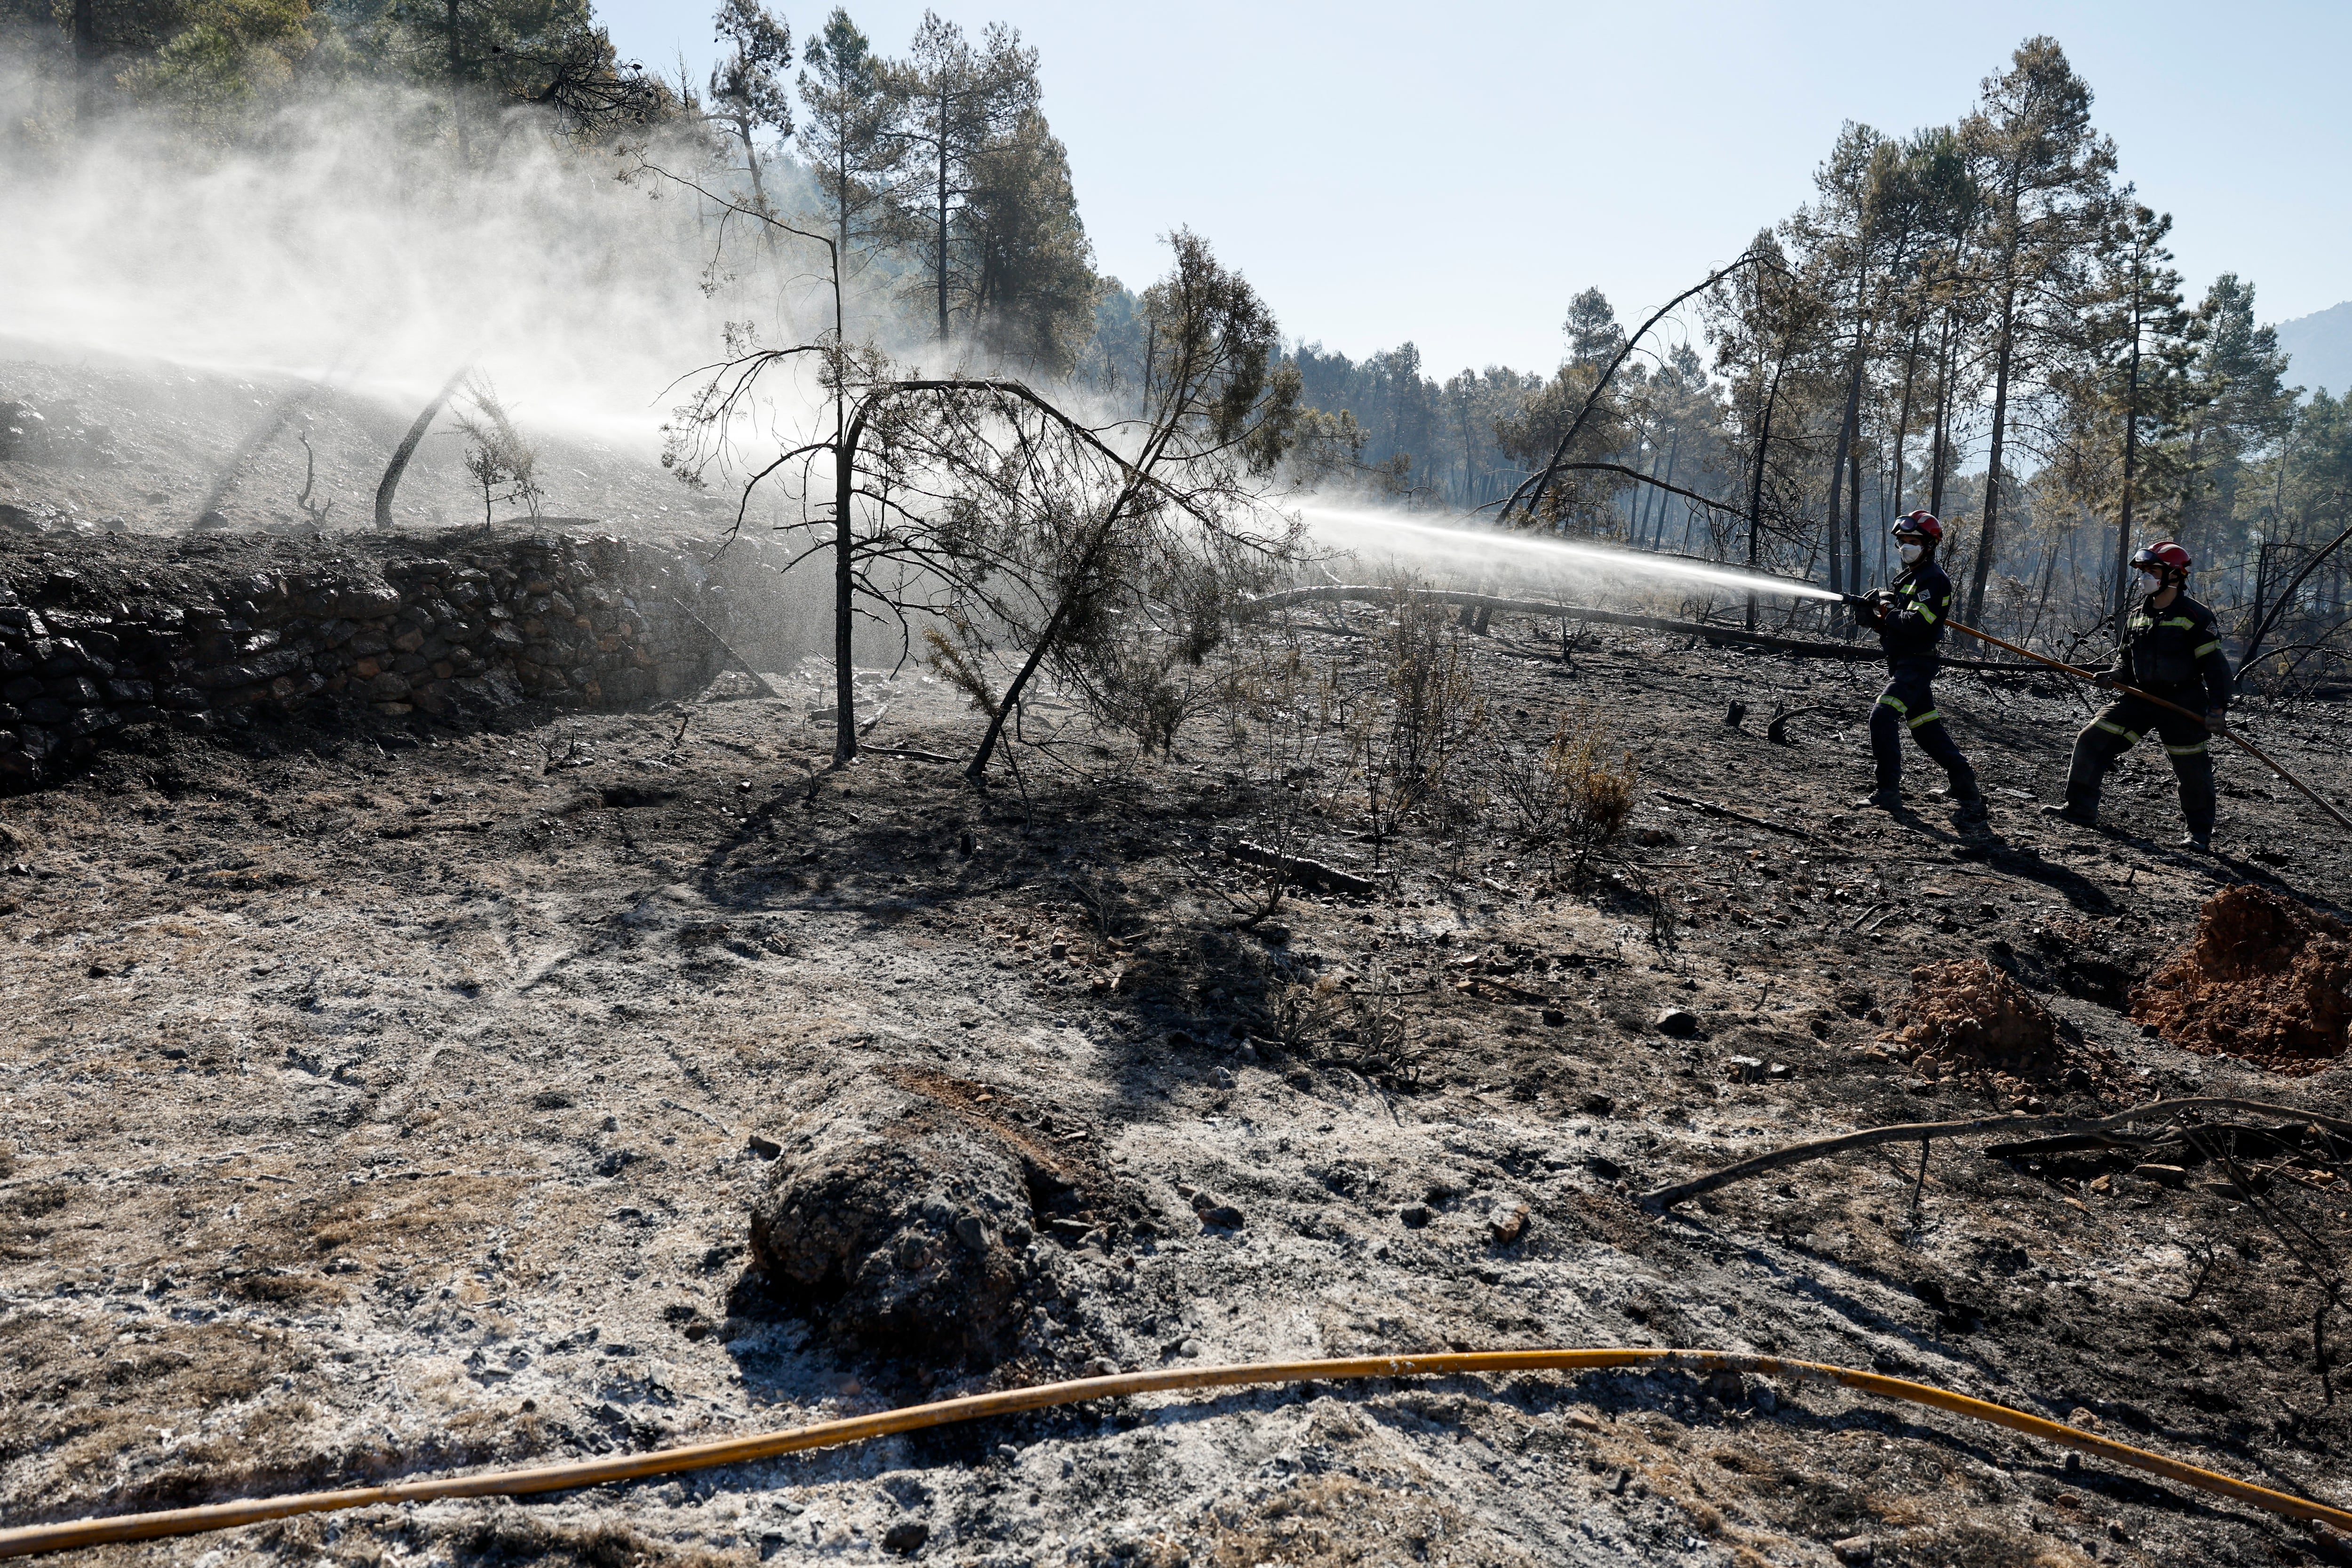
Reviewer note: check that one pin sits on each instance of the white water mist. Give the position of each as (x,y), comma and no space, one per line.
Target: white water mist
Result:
(1439,547)
(338,245)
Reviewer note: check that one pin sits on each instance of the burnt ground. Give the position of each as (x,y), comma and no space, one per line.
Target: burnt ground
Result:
(382,1099)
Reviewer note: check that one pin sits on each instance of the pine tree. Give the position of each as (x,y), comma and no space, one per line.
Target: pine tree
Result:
(2237,402)
(1592,329)
(2044,173)
(1033,284)
(956,104)
(747,87)
(847,133)
(1942,203)
(2138,335)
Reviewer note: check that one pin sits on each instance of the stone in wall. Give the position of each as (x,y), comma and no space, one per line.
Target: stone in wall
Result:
(447,627)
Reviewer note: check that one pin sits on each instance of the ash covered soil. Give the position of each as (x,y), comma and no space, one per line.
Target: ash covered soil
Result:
(377,1101)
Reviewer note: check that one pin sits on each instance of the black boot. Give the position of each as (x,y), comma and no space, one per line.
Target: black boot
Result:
(2198,838)
(1885,798)
(2080,815)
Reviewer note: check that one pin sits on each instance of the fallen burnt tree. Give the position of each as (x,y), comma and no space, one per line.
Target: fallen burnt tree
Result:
(1296,868)
(2117,1125)
(1798,648)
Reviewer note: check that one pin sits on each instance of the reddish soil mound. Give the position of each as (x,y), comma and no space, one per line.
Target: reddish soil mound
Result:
(1966,1016)
(2264,981)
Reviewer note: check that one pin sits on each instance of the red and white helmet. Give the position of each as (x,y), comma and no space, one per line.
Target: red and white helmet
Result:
(1921,522)
(2163,556)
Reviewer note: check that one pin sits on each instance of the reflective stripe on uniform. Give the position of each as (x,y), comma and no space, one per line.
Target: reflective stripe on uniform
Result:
(2209,648)
(1929,716)
(1927,612)
(2130,737)
(1896,702)
(2187,750)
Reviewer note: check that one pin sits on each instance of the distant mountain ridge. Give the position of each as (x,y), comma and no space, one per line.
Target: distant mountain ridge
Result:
(2320,346)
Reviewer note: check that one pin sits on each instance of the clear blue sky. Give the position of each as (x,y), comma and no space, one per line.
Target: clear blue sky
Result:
(1452,176)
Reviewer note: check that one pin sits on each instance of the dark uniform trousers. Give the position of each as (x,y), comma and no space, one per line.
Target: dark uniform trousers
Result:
(1909,703)
(2118,728)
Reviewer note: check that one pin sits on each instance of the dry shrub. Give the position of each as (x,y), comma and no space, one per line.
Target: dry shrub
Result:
(2264,979)
(1575,796)
(1966,1015)
(1596,791)
(1436,711)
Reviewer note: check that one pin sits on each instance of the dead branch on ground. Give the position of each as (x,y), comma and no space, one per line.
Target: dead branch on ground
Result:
(1919,1132)
(1709,808)
(1296,868)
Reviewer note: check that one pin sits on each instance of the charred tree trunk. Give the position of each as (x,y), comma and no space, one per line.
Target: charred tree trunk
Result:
(390,484)
(1988,520)
(85,58)
(1673,453)
(977,769)
(1903,417)
(1469,487)
(2122,587)
(751,163)
(942,256)
(1756,486)
(846,437)
(1939,466)
(1846,422)
(2004,361)
(1853,512)
(456,83)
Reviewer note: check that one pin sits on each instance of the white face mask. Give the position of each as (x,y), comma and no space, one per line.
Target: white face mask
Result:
(1911,553)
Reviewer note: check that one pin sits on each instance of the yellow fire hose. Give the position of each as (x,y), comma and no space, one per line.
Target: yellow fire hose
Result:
(2229,735)
(28,1539)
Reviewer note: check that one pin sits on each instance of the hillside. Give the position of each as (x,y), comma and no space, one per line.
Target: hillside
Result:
(2320,349)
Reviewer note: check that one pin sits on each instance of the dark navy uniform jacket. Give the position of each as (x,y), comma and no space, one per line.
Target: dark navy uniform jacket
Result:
(1913,624)
(2175,648)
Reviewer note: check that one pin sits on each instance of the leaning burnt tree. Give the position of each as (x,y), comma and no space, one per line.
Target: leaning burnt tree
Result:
(994,512)
(1523,506)
(1122,571)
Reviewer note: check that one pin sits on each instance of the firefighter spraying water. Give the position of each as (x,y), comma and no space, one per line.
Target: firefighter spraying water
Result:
(1909,616)
(2170,674)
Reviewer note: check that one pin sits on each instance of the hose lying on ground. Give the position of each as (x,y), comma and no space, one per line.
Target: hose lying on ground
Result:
(28,1539)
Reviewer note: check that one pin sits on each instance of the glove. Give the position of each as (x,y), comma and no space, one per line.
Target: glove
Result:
(2217,721)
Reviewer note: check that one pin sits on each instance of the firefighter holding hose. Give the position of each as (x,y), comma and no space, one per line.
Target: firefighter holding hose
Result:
(2171,648)
(1909,616)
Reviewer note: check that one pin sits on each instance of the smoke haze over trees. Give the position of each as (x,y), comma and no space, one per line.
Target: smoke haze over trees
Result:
(1978,317)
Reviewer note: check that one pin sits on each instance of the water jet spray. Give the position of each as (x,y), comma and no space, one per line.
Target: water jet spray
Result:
(1536,550)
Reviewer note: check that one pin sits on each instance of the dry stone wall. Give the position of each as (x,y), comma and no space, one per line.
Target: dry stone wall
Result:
(96,635)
